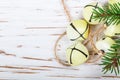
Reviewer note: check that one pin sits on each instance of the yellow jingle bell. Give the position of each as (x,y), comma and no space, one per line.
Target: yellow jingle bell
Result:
(88,13)
(113,1)
(78,30)
(104,44)
(77,54)
(112,30)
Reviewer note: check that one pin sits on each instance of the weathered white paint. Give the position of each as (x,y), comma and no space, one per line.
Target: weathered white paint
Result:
(28,31)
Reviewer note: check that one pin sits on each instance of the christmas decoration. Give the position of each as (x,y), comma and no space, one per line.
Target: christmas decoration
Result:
(88,13)
(77,54)
(113,1)
(78,30)
(112,30)
(82,34)
(105,44)
(111,60)
(110,14)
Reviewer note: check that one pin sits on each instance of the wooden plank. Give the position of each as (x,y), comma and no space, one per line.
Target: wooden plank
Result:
(28,31)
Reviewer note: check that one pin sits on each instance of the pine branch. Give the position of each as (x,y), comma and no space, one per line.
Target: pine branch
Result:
(109,14)
(111,59)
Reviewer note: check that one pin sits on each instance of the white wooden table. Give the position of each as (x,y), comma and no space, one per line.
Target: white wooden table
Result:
(28,31)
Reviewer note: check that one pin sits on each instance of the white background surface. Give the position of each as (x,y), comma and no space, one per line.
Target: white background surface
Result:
(28,31)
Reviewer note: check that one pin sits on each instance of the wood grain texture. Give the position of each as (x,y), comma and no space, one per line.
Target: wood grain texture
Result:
(28,31)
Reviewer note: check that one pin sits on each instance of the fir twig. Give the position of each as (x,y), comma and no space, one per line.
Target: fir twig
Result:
(109,14)
(111,59)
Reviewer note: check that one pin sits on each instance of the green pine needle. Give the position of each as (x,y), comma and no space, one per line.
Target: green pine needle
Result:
(109,14)
(111,59)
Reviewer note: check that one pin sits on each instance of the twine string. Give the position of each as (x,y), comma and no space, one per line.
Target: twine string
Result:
(66,11)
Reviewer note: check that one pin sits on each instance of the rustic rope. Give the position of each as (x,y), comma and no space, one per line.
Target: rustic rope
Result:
(66,11)
(101,29)
(55,50)
(96,51)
